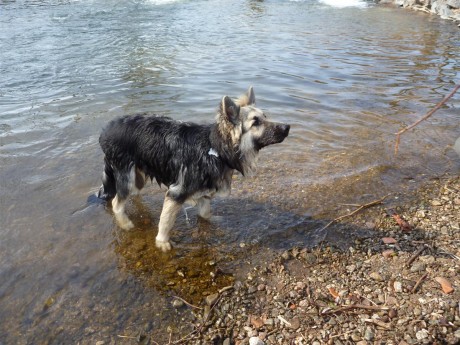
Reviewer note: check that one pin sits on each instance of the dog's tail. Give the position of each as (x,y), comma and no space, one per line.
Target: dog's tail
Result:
(108,189)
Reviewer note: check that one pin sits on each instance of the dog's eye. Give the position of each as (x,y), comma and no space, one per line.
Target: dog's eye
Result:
(256,122)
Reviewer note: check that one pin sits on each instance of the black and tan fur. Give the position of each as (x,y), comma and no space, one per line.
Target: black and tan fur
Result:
(195,162)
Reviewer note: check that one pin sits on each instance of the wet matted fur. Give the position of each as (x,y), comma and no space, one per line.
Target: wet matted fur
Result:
(195,162)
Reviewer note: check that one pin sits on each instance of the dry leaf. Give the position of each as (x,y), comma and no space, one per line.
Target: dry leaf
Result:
(257,322)
(389,240)
(446,286)
(403,224)
(333,292)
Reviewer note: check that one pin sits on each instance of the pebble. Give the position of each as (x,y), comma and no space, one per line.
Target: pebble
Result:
(376,276)
(355,336)
(422,334)
(436,202)
(397,286)
(177,303)
(457,333)
(255,341)
(418,267)
(211,299)
(369,334)
(295,323)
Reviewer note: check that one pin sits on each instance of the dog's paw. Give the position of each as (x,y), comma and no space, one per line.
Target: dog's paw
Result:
(164,246)
(125,224)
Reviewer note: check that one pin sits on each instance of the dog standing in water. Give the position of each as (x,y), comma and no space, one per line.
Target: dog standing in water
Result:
(195,162)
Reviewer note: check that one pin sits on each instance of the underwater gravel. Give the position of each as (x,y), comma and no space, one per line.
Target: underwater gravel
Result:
(399,286)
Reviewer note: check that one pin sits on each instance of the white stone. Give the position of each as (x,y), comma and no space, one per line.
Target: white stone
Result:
(255,341)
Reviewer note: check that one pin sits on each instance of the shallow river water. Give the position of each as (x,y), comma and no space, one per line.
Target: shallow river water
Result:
(345,78)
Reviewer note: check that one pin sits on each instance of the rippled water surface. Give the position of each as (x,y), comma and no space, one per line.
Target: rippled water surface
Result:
(346,79)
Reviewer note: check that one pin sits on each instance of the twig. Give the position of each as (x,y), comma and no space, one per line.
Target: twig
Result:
(431,112)
(415,256)
(126,336)
(200,328)
(226,288)
(283,320)
(189,304)
(339,335)
(361,207)
(417,284)
(378,323)
(354,306)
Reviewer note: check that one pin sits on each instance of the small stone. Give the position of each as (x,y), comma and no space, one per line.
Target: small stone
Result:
(211,299)
(261,287)
(286,255)
(422,334)
(397,286)
(436,202)
(226,341)
(304,303)
(418,267)
(295,323)
(309,258)
(376,276)
(369,334)
(457,333)
(269,322)
(177,303)
(351,268)
(100,342)
(392,313)
(252,289)
(255,341)
(355,336)
(421,214)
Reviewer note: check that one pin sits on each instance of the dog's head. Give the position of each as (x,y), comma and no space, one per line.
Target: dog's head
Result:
(248,127)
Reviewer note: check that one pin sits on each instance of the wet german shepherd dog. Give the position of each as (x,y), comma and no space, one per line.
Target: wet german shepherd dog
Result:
(195,162)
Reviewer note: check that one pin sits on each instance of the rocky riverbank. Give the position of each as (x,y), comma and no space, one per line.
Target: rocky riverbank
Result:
(447,9)
(401,285)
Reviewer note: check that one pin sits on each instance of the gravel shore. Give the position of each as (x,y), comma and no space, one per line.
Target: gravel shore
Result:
(401,285)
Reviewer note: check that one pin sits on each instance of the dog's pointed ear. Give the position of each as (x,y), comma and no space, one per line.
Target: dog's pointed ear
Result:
(251,96)
(230,110)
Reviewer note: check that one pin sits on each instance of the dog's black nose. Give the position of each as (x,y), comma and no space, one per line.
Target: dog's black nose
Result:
(286,129)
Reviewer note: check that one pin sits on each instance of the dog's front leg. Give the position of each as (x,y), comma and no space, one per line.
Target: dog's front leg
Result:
(167,219)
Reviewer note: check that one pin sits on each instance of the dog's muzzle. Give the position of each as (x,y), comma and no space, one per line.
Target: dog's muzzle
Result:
(274,134)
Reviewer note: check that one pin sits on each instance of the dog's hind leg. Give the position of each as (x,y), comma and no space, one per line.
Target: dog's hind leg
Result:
(167,219)
(125,185)
(108,189)
(204,207)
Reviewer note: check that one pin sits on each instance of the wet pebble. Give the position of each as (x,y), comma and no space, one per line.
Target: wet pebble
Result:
(177,303)
(211,299)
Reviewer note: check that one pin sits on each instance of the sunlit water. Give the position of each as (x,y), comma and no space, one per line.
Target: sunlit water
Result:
(345,78)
